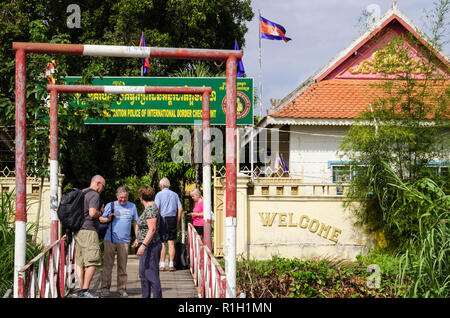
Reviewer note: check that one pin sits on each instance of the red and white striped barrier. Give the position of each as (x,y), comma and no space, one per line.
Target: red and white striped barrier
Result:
(209,277)
(51,274)
(111,89)
(127,51)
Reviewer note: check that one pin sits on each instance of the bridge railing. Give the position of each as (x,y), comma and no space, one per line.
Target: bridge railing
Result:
(51,274)
(208,275)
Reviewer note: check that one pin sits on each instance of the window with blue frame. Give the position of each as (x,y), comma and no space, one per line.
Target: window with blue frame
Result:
(341,173)
(439,168)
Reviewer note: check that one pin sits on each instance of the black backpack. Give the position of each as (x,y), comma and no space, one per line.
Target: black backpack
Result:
(103,227)
(71,211)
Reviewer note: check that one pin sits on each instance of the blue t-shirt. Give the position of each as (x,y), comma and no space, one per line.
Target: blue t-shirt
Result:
(167,202)
(124,215)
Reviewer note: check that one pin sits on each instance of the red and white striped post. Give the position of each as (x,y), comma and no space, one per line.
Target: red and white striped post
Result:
(54,222)
(230,56)
(21,169)
(230,176)
(206,131)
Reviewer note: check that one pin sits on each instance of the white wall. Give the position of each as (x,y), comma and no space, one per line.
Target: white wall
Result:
(311,148)
(8,184)
(307,224)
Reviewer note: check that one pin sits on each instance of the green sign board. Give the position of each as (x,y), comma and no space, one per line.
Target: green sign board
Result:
(173,109)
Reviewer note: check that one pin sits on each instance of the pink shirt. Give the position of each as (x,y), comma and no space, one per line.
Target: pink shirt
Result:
(198,208)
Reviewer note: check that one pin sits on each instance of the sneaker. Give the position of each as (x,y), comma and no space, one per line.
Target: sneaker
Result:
(87,294)
(74,294)
(123,293)
(105,293)
(172,269)
(162,268)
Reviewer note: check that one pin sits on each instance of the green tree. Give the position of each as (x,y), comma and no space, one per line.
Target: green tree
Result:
(160,159)
(37,102)
(173,23)
(199,69)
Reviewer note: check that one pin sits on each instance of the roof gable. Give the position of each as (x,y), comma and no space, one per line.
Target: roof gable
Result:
(357,63)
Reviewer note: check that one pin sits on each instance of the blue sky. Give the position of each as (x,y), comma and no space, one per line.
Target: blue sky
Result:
(319,29)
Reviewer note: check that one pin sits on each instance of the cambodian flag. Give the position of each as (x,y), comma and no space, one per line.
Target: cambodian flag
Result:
(145,62)
(272,31)
(240,65)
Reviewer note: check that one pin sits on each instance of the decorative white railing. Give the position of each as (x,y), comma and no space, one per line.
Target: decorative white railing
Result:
(258,172)
(8,173)
(209,277)
(269,182)
(53,277)
(287,187)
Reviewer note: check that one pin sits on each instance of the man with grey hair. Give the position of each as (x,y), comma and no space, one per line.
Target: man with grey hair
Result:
(121,214)
(171,210)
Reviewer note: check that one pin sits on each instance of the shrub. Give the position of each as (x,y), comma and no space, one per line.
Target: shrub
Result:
(428,262)
(280,277)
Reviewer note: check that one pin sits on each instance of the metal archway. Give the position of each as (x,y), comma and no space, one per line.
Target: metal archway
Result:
(230,56)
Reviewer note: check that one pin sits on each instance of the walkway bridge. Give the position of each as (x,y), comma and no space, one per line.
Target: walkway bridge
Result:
(51,274)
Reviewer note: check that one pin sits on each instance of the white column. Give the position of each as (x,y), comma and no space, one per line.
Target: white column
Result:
(19,252)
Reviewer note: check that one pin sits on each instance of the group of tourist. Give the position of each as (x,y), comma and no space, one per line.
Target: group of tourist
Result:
(154,228)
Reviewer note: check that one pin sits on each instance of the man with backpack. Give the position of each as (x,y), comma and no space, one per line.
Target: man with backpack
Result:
(120,214)
(87,248)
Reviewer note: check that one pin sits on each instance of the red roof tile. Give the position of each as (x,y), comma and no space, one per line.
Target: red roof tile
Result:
(333,99)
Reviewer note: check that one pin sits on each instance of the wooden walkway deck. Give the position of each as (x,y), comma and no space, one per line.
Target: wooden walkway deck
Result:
(177,284)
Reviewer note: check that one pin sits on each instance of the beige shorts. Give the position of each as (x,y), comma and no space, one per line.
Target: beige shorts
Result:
(87,248)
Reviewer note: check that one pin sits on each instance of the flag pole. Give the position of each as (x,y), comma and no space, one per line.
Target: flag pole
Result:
(142,60)
(260,68)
